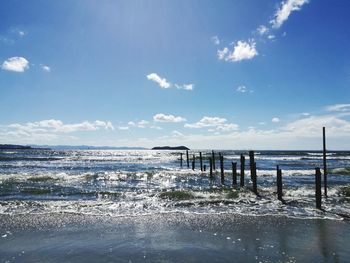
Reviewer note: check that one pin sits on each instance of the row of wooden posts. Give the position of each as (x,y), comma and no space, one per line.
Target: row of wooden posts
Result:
(253,174)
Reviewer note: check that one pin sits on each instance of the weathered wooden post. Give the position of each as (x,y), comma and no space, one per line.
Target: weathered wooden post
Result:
(234,174)
(242,170)
(279,184)
(201,161)
(211,168)
(181,159)
(204,167)
(213,159)
(318,187)
(193,162)
(251,163)
(324,162)
(222,169)
(254,179)
(188,159)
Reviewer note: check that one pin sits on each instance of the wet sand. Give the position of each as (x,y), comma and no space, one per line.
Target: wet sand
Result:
(173,237)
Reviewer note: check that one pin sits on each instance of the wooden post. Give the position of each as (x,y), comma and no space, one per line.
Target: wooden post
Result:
(193,162)
(324,162)
(279,184)
(213,159)
(181,159)
(222,169)
(188,159)
(211,168)
(234,174)
(251,164)
(318,187)
(242,170)
(201,161)
(204,167)
(254,179)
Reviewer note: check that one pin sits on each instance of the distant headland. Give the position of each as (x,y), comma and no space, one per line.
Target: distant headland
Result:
(170,148)
(20,147)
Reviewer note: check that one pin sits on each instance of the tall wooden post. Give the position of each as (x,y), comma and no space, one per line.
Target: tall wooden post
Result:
(234,174)
(318,188)
(279,184)
(324,162)
(193,162)
(222,169)
(242,170)
(254,179)
(251,163)
(181,159)
(213,159)
(204,167)
(201,161)
(211,168)
(188,159)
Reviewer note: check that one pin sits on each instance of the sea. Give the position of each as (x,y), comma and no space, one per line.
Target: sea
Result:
(118,183)
(142,206)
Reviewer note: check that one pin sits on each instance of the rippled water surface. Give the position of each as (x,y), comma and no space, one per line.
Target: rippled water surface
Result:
(119,183)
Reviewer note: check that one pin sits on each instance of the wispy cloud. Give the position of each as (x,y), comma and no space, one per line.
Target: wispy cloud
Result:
(242,50)
(243,89)
(215,123)
(45,68)
(16,64)
(275,119)
(51,128)
(184,86)
(262,30)
(163,83)
(284,11)
(338,107)
(215,40)
(160,117)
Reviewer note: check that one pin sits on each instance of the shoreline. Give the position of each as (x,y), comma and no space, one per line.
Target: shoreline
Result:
(176,237)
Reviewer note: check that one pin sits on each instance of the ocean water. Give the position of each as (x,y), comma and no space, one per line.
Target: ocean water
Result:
(118,183)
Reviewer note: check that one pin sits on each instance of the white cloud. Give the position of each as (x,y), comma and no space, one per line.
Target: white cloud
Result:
(223,53)
(275,120)
(215,40)
(160,117)
(206,122)
(185,86)
(45,68)
(285,9)
(123,128)
(242,50)
(162,82)
(142,124)
(57,126)
(271,37)
(227,127)
(262,30)
(215,123)
(16,64)
(131,123)
(177,134)
(338,107)
(242,89)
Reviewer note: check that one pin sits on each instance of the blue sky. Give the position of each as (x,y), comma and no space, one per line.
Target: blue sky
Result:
(208,74)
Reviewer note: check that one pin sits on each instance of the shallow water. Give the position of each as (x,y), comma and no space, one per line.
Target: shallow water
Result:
(172,237)
(120,183)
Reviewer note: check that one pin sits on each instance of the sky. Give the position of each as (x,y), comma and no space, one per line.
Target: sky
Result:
(235,74)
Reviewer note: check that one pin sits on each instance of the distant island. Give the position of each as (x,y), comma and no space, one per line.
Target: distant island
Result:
(20,147)
(170,148)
